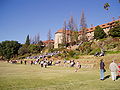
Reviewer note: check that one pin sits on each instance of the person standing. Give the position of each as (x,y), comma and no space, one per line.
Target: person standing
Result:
(119,69)
(21,61)
(113,68)
(25,62)
(102,65)
(77,66)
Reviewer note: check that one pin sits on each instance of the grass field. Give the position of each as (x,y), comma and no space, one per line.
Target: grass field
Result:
(27,77)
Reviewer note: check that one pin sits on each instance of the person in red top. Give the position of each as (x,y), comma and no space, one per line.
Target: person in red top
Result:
(119,69)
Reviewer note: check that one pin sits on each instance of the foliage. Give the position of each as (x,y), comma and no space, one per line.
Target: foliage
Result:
(94,51)
(23,50)
(76,34)
(64,38)
(9,49)
(27,40)
(76,57)
(85,48)
(99,33)
(71,53)
(83,27)
(34,48)
(115,32)
(112,52)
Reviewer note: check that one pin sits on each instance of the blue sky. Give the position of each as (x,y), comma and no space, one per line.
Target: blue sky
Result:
(18,18)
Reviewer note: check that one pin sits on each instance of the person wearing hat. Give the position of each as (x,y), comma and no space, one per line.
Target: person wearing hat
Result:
(113,68)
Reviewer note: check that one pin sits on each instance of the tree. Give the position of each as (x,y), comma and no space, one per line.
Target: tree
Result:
(35,39)
(64,34)
(49,40)
(49,35)
(72,27)
(27,40)
(9,49)
(24,50)
(34,48)
(83,27)
(1,50)
(76,33)
(115,32)
(99,33)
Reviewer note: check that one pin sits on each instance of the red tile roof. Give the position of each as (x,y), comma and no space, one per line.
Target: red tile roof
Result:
(47,41)
(90,29)
(61,31)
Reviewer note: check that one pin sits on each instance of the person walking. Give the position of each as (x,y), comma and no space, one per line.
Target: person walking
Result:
(102,65)
(113,68)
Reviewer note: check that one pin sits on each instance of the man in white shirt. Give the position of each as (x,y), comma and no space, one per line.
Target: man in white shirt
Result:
(113,68)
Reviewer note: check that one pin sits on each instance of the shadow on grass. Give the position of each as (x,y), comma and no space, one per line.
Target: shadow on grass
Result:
(106,77)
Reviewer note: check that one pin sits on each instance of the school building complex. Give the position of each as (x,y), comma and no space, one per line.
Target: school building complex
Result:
(89,33)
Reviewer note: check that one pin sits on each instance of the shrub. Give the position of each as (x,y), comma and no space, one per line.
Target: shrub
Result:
(115,32)
(99,33)
(76,57)
(112,52)
(85,48)
(71,53)
(94,51)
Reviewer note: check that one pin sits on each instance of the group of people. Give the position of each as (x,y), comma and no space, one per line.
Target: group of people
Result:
(114,69)
(43,55)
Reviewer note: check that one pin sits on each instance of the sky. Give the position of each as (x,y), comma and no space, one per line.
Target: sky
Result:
(19,18)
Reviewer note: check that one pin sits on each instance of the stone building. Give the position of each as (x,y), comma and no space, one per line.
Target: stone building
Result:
(90,33)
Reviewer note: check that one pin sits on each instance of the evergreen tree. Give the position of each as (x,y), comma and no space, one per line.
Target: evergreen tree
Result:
(64,34)
(49,40)
(49,35)
(115,32)
(76,34)
(83,27)
(71,27)
(27,40)
(99,33)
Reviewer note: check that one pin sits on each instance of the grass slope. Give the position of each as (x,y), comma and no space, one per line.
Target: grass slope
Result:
(27,77)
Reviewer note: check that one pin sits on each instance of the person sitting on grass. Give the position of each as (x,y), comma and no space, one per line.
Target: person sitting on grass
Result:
(45,64)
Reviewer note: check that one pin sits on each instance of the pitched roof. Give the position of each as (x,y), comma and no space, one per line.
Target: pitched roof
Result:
(47,41)
(61,31)
(106,25)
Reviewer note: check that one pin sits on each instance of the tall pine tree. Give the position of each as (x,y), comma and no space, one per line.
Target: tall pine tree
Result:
(83,26)
(64,41)
(27,40)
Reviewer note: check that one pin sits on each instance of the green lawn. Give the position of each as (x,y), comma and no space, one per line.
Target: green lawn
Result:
(27,77)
